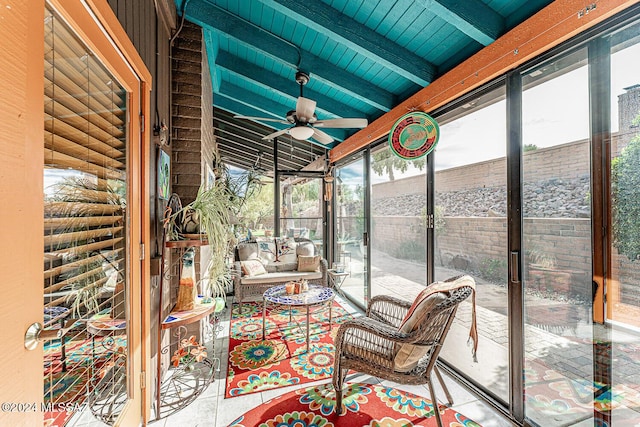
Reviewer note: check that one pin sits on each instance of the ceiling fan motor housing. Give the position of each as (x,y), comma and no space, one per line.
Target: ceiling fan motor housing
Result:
(302,78)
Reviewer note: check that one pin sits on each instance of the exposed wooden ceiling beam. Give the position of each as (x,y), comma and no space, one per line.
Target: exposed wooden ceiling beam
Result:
(554,24)
(206,14)
(347,31)
(472,17)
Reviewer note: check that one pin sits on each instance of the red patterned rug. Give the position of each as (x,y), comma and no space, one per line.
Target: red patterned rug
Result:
(549,395)
(364,405)
(281,360)
(66,383)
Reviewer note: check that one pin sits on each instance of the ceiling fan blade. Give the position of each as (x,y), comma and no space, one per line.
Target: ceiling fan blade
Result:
(322,137)
(278,133)
(342,123)
(263,119)
(305,108)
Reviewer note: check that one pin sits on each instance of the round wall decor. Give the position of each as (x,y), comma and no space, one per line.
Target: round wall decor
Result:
(414,135)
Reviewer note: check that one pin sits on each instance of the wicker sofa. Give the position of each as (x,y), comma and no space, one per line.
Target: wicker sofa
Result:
(280,259)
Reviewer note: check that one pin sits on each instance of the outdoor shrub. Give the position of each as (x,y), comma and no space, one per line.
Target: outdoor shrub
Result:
(411,251)
(626,199)
(493,270)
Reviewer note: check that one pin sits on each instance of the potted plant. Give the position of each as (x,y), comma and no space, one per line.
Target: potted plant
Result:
(206,217)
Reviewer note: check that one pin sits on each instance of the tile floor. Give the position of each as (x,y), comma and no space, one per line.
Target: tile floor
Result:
(212,409)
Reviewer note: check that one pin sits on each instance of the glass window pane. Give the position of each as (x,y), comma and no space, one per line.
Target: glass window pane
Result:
(471,232)
(349,185)
(398,228)
(557,242)
(623,296)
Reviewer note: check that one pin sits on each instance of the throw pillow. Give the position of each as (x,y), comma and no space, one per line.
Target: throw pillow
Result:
(408,355)
(308,263)
(305,248)
(286,250)
(267,249)
(252,267)
(247,250)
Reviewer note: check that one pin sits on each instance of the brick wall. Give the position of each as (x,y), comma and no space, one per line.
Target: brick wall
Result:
(491,173)
(188,83)
(400,187)
(193,141)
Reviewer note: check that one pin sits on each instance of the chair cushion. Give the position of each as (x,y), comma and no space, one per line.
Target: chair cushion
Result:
(288,266)
(408,355)
(308,263)
(252,267)
(280,277)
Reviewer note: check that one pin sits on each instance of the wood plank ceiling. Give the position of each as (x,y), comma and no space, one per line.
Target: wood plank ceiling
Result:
(363,57)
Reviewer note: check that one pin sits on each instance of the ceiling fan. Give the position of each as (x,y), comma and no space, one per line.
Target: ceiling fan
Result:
(304,120)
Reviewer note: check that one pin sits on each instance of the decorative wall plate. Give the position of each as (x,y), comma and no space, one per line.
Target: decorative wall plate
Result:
(414,135)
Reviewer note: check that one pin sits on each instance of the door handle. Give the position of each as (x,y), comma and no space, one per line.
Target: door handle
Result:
(515,266)
(36,333)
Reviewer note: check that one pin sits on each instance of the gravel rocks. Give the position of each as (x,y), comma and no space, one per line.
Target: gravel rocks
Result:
(554,198)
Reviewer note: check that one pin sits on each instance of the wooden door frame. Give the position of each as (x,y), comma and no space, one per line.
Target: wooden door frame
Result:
(100,30)
(21,188)
(22,134)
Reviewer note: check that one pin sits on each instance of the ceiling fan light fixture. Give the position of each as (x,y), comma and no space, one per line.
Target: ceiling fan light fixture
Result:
(301,132)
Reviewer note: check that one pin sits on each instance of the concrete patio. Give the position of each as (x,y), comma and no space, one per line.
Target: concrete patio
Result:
(559,338)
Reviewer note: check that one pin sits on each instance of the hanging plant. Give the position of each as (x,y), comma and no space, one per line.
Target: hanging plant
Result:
(207,214)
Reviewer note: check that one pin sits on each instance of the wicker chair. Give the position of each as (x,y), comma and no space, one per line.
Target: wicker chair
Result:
(370,344)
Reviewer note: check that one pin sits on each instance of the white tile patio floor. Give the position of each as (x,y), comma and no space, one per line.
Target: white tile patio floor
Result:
(212,409)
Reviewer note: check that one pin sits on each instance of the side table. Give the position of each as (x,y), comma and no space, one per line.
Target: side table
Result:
(315,296)
(337,280)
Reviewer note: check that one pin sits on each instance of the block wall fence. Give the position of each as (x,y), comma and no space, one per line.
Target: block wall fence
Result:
(469,241)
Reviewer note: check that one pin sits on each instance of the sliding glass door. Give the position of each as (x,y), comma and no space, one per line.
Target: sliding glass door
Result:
(622,341)
(350,229)
(558,359)
(470,225)
(536,194)
(398,224)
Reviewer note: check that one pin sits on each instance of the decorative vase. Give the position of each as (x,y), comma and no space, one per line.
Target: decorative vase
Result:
(187,290)
(191,222)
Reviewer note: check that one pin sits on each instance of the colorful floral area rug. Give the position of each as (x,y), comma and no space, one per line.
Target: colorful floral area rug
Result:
(66,383)
(553,398)
(281,359)
(363,405)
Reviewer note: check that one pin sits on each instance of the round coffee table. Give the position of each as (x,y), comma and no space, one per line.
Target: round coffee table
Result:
(316,295)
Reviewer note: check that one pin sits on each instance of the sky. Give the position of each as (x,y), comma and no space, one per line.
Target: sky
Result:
(555,112)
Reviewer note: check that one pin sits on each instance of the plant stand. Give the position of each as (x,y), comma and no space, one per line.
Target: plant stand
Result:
(181,385)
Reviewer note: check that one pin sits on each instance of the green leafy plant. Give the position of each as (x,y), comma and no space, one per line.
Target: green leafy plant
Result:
(493,270)
(210,208)
(625,174)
